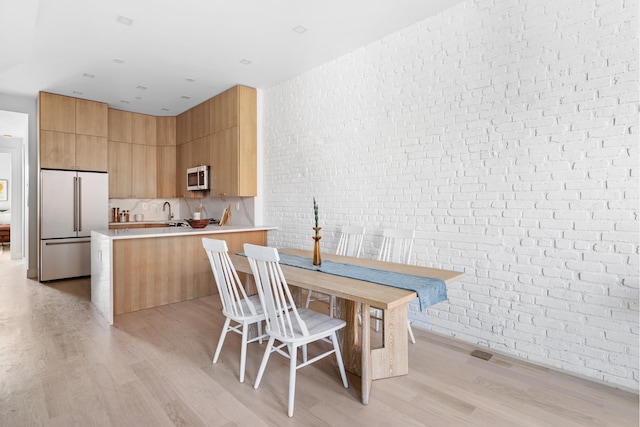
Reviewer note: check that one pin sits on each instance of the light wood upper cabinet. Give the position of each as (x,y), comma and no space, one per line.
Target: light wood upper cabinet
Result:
(200,119)
(224,110)
(234,164)
(120,161)
(83,145)
(57,112)
(143,171)
(57,150)
(166,172)
(166,157)
(184,127)
(92,118)
(234,148)
(166,131)
(200,152)
(92,153)
(143,129)
(120,126)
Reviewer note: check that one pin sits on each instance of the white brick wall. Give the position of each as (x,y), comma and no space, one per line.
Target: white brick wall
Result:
(506,133)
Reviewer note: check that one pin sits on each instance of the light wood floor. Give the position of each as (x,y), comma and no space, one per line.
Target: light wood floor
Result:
(62,365)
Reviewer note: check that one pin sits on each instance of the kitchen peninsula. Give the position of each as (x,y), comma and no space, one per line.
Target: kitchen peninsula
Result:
(140,268)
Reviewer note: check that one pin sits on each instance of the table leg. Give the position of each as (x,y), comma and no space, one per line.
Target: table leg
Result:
(366,354)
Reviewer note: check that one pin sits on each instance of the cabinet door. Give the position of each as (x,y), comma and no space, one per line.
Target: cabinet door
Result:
(92,118)
(200,118)
(183,128)
(166,172)
(183,154)
(143,171)
(224,168)
(224,110)
(247,160)
(166,131)
(92,153)
(143,129)
(119,170)
(57,150)
(119,126)
(200,152)
(57,112)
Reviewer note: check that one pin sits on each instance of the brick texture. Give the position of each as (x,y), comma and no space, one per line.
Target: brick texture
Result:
(506,133)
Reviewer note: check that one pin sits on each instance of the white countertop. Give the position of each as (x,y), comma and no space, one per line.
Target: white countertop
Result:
(142,233)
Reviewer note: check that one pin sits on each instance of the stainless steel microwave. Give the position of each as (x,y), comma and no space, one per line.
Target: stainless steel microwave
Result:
(198,178)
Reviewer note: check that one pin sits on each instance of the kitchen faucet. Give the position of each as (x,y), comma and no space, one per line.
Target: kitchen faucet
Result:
(170,214)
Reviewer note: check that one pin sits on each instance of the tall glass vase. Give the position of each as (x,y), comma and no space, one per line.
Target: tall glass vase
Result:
(316,247)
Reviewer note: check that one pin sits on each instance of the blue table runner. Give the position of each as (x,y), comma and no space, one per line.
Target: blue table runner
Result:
(430,291)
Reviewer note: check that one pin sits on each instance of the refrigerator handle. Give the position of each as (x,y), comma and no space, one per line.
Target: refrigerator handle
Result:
(75,203)
(79,203)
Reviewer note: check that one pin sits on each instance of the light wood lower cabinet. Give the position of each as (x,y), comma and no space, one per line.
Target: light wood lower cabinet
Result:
(149,272)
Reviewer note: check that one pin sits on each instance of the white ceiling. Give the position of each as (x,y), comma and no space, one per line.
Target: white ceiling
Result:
(57,45)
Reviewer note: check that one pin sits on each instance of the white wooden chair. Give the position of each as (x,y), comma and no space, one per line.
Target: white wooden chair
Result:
(293,328)
(350,244)
(236,305)
(397,246)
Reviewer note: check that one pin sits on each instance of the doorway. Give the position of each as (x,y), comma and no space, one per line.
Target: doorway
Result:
(13,206)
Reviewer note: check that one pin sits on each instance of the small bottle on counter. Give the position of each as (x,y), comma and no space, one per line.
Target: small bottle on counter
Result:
(126,216)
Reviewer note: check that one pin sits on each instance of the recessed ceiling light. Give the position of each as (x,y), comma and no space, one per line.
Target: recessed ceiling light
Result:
(300,29)
(75,92)
(190,79)
(245,62)
(165,109)
(87,75)
(124,20)
(118,60)
(185,97)
(138,97)
(141,87)
(124,101)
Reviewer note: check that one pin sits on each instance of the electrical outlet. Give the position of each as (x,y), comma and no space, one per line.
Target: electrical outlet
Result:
(144,206)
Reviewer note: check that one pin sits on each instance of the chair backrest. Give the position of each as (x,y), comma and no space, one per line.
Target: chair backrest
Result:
(229,286)
(279,307)
(350,243)
(396,245)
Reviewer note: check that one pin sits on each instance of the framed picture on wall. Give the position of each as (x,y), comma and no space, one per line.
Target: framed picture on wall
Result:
(4,190)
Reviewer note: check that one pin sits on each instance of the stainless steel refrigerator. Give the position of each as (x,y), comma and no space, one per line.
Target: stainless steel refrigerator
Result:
(71,205)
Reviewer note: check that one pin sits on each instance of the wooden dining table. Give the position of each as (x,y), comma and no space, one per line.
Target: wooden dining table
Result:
(391,358)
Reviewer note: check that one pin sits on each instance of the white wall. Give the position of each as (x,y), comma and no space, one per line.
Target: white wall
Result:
(506,133)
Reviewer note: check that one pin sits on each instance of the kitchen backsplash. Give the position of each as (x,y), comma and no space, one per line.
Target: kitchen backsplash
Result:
(242,208)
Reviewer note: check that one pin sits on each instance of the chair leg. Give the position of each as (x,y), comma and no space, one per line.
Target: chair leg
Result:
(259,331)
(336,346)
(265,359)
(223,334)
(243,350)
(293,350)
(306,304)
(413,339)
